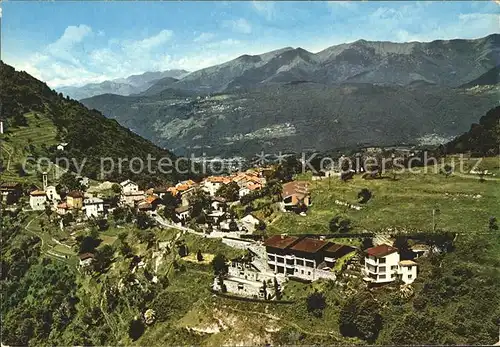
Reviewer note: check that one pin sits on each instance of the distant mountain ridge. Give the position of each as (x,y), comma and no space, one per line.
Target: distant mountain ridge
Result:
(133,84)
(297,116)
(442,62)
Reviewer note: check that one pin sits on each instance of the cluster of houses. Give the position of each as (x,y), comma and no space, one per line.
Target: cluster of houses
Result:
(39,199)
(248,181)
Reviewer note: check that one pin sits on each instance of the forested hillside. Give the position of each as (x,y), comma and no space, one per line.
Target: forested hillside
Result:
(298,116)
(482,139)
(89,135)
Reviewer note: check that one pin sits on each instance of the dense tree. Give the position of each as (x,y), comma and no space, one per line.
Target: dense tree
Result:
(116,188)
(88,244)
(316,303)
(229,191)
(447,170)
(401,243)
(119,214)
(103,258)
(364,196)
(360,317)
(277,289)
(492,224)
(366,243)
(136,329)
(339,224)
(183,250)
(219,264)
(143,221)
(199,201)
(70,182)
(67,219)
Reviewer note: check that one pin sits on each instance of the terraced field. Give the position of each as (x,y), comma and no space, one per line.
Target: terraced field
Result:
(19,143)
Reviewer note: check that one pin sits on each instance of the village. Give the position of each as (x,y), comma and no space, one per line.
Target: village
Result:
(217,208)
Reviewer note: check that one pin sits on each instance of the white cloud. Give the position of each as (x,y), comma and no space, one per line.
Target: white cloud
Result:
(240,25)
(223,44)
(204,37)
(265,8)
(151,42)
(63,47)
(340,4)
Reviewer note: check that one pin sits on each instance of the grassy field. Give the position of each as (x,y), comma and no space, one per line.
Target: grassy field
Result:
(404,205)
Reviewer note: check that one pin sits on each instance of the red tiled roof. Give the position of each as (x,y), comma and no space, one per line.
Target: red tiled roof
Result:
(309,245)
(381,251)
(279,241)
(254,186)
(299,188)
(150,199)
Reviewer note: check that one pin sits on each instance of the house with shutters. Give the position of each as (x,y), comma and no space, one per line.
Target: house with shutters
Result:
(74,200)
(129,187)
(93,207)
(38,199)
(383,265)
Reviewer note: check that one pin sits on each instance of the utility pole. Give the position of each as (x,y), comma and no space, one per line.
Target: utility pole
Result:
(434,211)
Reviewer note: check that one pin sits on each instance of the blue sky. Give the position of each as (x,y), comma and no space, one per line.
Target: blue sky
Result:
(73,43)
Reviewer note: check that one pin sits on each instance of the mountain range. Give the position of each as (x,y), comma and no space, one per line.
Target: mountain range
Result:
(123,86)
(447,63)
(371,93)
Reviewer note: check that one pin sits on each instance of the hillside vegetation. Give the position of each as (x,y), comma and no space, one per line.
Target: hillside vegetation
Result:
(37,118)
(482,139)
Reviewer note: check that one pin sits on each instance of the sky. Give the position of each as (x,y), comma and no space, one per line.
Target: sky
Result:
(74,43)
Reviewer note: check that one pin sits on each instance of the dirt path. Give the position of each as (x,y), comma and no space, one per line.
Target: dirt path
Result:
(9,152)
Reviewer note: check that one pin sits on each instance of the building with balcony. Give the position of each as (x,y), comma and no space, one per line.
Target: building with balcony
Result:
(383,265)
(304,258)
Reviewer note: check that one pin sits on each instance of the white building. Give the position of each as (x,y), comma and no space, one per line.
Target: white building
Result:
(243,191)
(129,187)
(305,258)
(212,184)
(219,203)
(38,198)
(183,212)
(383,265)
(245,279)
(93,207)
(131,198)
(249,222)
(52,194)
(408,271)
(86,259)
